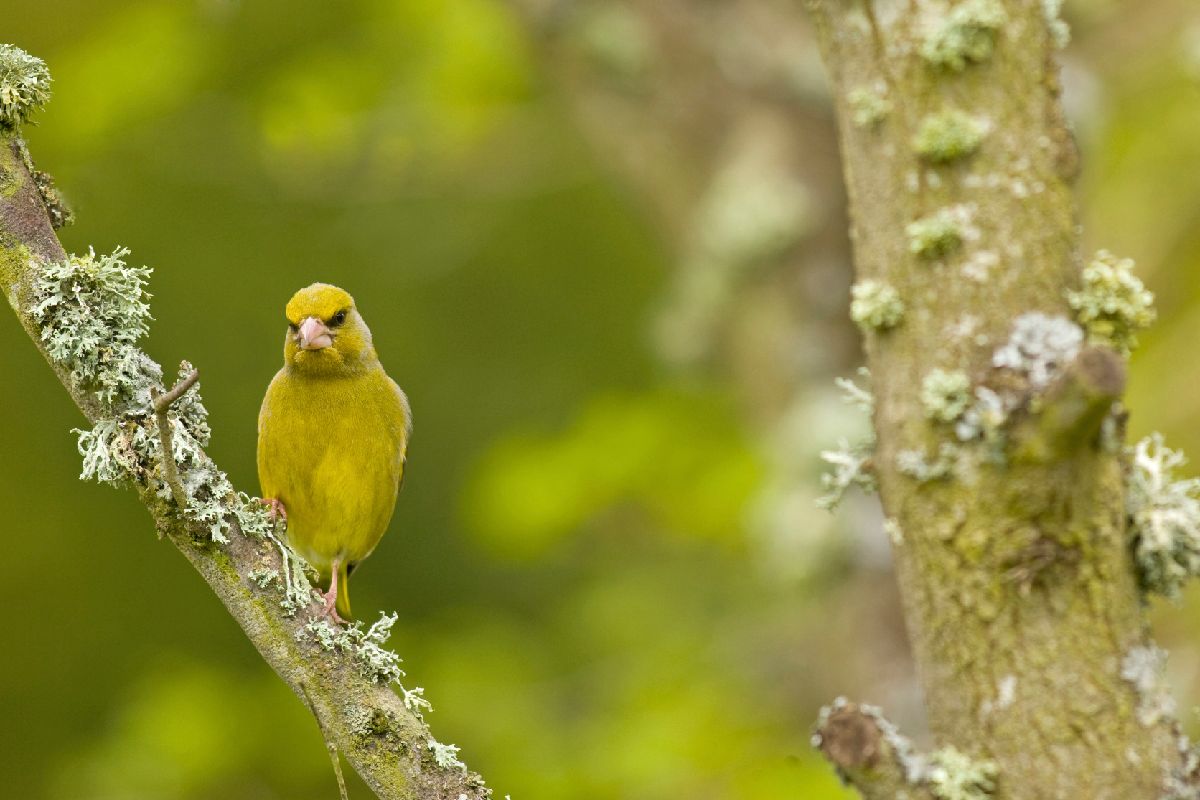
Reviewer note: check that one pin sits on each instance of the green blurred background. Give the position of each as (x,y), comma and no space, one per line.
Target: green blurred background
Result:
(602,246)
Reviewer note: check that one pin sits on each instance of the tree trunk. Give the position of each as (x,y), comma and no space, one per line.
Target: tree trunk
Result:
(1011,548)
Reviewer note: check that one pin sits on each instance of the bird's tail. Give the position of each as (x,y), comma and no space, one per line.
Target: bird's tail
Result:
(343,591)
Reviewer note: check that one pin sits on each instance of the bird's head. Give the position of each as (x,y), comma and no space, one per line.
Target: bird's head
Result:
(326,335)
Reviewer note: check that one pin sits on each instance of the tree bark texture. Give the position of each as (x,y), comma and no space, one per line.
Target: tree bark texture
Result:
(1019,592)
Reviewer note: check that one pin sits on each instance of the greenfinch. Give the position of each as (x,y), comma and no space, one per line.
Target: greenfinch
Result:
(333,435)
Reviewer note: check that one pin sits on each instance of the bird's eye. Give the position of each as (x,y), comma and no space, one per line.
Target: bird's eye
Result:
(338,318)
(293,327)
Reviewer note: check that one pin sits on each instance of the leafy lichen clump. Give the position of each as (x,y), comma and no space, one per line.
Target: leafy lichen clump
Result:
(24,85)
(953,775)
(366,646)
(1113,304)
(1164,517)
(849,461)
(945,395)
(964,35)
(940,233)
(445,755)
(92,311)
(948,136)
(875,305)
(868,106)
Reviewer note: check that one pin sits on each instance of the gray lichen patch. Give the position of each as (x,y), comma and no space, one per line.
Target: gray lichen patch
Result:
(963,34)
(1113,304)
(24,85)
(1039,347)
(1143,668)
(948,136)
(875,305)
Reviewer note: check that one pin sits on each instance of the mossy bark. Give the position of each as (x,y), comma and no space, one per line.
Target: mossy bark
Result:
(385,742)
(1019,591)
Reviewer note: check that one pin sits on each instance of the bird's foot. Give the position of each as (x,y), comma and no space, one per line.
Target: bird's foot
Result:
(276,512)
(330,609)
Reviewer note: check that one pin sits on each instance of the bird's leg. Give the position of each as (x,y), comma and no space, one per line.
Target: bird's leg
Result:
(275,510)
(331,596)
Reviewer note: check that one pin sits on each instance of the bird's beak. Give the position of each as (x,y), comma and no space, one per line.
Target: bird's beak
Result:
(313,335)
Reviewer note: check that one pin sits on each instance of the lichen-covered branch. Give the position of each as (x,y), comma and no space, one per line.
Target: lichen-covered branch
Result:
(996,362)
(86,314)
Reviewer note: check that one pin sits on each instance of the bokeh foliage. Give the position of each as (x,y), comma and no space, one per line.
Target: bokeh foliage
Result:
(573,558)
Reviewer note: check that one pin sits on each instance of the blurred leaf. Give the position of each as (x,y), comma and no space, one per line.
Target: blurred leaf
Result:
(679,457)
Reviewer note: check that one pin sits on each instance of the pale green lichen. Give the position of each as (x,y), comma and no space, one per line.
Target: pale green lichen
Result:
(948,136)
(849,461)
(945,395)
(1113,304)
(1060,31)
(365,646)
(92,311)
(1164,517)
(868,105)
(24,85)
(952,775)
(414,701)
(1143,668)
(875,305)
(297,586)
(445,755)
(965,34)
(941,232)
(917,465)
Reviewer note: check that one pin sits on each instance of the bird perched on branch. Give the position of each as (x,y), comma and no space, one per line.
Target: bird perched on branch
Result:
(332,436)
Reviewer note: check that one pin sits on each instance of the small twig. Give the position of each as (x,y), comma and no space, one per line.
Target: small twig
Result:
(1073,408)
(162,404)
(869,753)
(329,745)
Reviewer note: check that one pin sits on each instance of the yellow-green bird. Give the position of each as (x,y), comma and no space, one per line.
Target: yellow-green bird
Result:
(332,437)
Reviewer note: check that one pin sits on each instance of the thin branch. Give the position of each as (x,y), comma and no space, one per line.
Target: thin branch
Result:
(162,405)
(868,753)
(334,758)
(1073,408)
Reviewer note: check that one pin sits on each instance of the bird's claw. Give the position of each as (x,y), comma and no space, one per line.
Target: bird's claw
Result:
(330,609)
(276,512)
